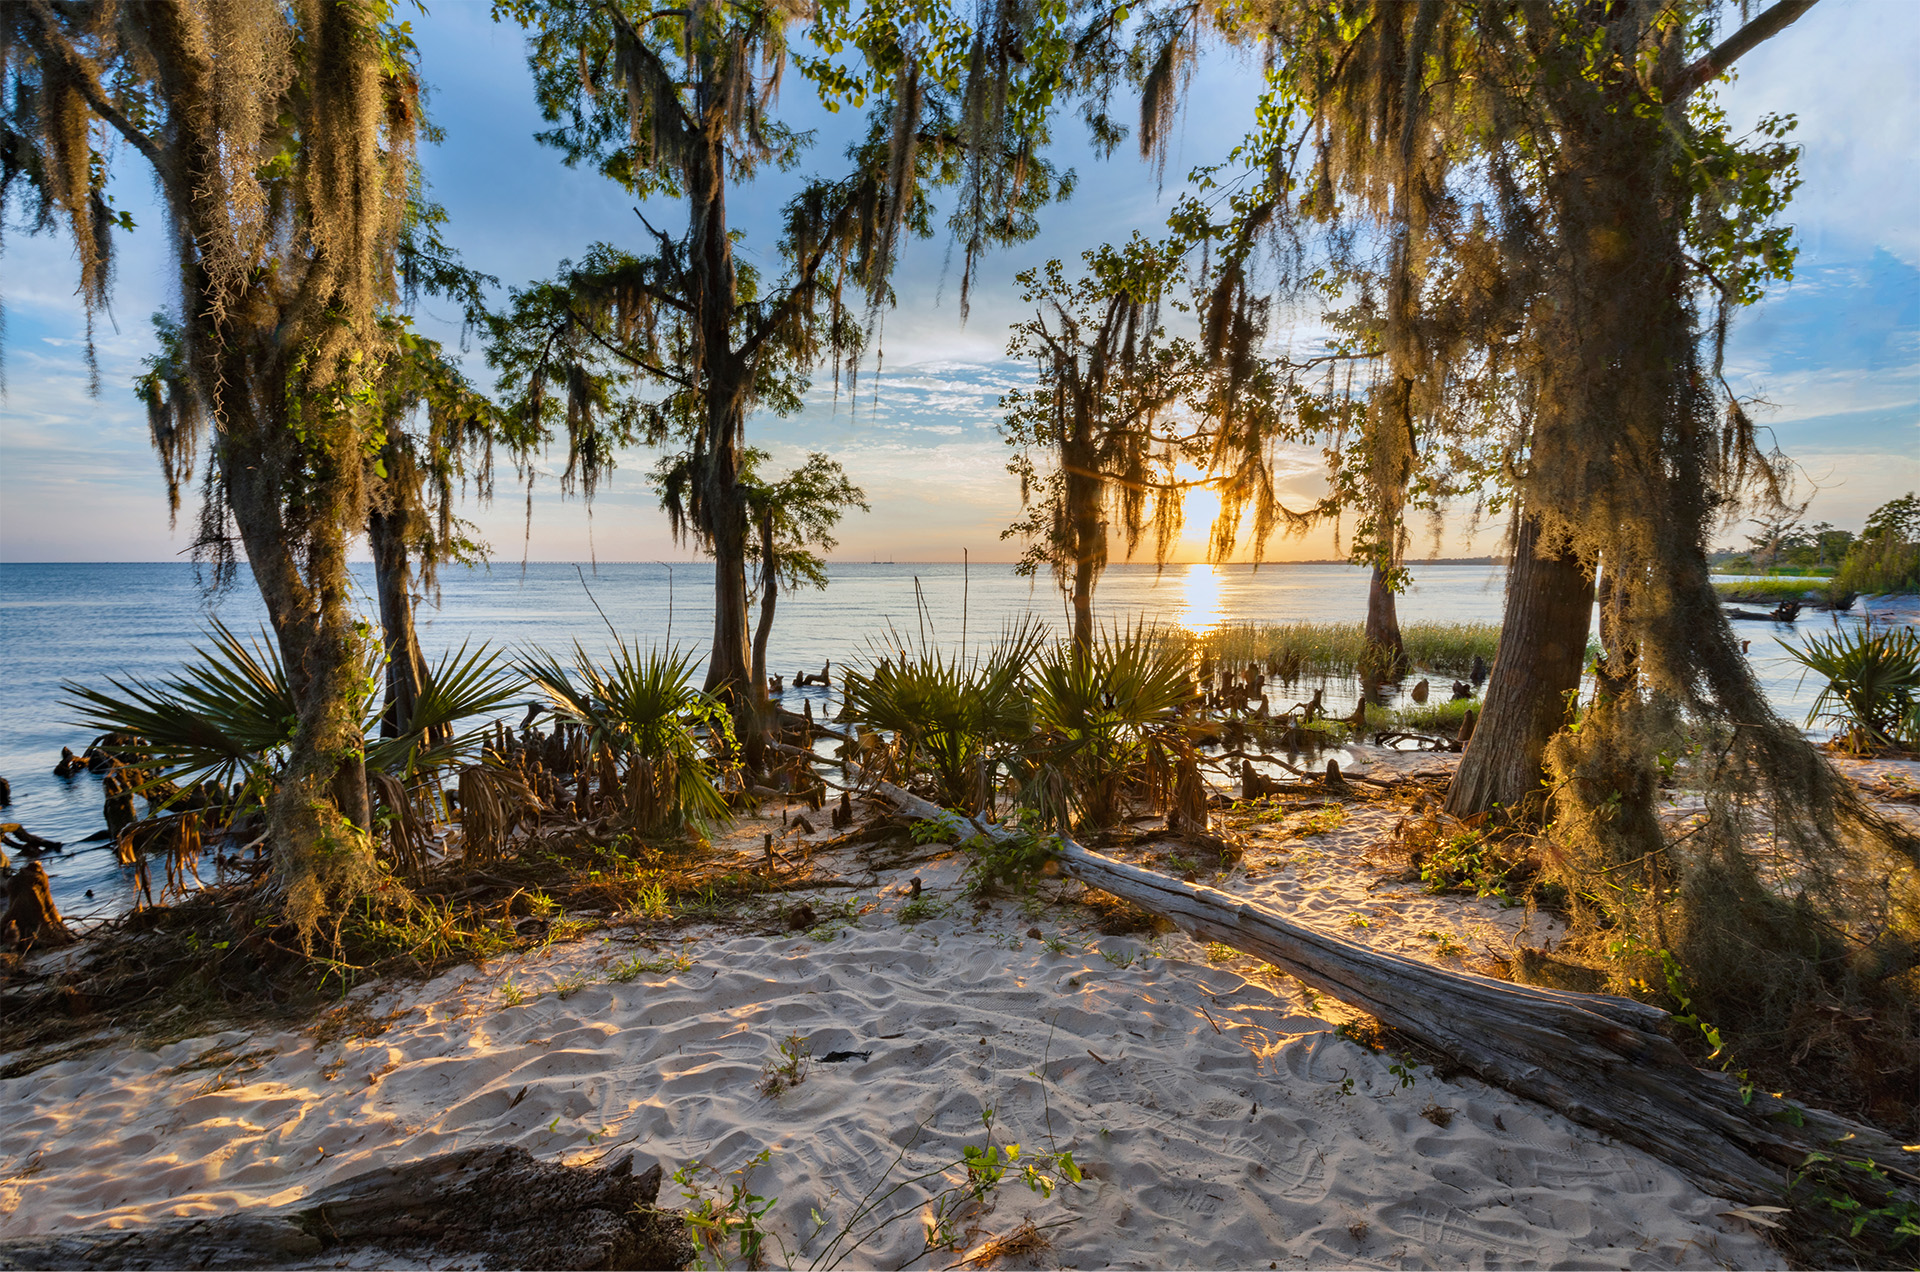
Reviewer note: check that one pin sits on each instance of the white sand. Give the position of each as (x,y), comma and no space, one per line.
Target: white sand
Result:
(1210,1111)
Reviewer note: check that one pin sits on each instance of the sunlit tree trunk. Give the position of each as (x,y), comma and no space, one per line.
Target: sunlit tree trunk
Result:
(1383,619)
(1618,669)
(1543,640)
(1086,526)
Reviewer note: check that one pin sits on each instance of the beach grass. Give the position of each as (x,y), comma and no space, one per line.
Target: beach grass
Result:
(1341,648)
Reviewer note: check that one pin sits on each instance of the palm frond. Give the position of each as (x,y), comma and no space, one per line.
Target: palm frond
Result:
(228,714)
(1093,709)
(1873,682)
(642,709)
(461,686)
(945,709)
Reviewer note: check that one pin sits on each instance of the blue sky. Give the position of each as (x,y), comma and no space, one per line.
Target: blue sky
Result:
(1836,352)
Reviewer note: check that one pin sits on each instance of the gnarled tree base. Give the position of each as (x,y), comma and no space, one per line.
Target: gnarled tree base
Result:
(493,1206)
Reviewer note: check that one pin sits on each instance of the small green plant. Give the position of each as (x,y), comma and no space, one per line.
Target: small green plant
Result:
(1405,1068)
(920,909)
(985,1166)
(649,965)
(652,903)
(1058,945)
(1444,944)
(1466,862)
(1358,920)
(1180,865)
(1834,1182)
(947,827)
(1015,861)
(511,994)
(1321,821)
(1121,961)
(1220,952)
(790,1070)
(835,917)
(567,986)
(735,1218)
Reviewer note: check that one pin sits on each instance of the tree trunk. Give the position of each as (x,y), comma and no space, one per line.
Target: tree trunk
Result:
(728,388)
(1086,527)
(313,625)
(494,1205)
(769,597)
(1383,622)
(393,582)
(1543,643)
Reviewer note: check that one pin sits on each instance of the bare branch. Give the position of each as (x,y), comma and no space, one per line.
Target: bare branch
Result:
(1716,63)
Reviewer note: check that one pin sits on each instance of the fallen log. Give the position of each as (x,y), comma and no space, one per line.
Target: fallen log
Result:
(495,1203)
(1601,1060)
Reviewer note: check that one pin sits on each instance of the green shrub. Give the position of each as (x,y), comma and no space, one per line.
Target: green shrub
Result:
(642,712)
(1881,566)
(945,711)
(1094,712)
(1873,684)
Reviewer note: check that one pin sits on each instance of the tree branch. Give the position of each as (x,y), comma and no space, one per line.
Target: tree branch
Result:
(1716,63)
(97,98)
(618,352)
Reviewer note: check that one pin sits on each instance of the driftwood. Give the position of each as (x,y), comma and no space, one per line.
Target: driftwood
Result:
(494,1205)
(1600,1060)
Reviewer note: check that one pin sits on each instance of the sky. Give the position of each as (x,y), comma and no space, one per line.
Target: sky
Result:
(1835,354)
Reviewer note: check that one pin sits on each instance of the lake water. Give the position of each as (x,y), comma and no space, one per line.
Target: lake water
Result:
(89,622)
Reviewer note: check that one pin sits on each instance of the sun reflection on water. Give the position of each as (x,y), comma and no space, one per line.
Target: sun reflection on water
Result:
(1200,604)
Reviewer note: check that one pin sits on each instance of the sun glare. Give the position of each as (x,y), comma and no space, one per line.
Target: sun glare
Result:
(1199,506)
(1200,599)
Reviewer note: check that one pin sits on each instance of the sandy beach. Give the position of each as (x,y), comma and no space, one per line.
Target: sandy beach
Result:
(1219,1118)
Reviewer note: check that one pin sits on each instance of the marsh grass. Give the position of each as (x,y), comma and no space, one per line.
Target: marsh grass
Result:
(1774,591)
(1422,717)
(1341,648)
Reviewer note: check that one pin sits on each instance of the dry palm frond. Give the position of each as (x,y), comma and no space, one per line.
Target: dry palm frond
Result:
(494,800)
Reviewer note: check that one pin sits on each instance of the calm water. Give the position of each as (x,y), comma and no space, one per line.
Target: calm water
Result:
(89,622)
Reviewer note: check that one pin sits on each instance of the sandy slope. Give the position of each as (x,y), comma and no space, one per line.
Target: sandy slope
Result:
(1211,1109)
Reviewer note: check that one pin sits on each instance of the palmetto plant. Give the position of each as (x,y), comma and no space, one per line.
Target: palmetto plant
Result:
(1095,710)
(228,716)
(643,718)
(1873,684)
(947,711)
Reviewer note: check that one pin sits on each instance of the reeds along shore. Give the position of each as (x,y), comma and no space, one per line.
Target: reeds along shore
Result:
(1342,649)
